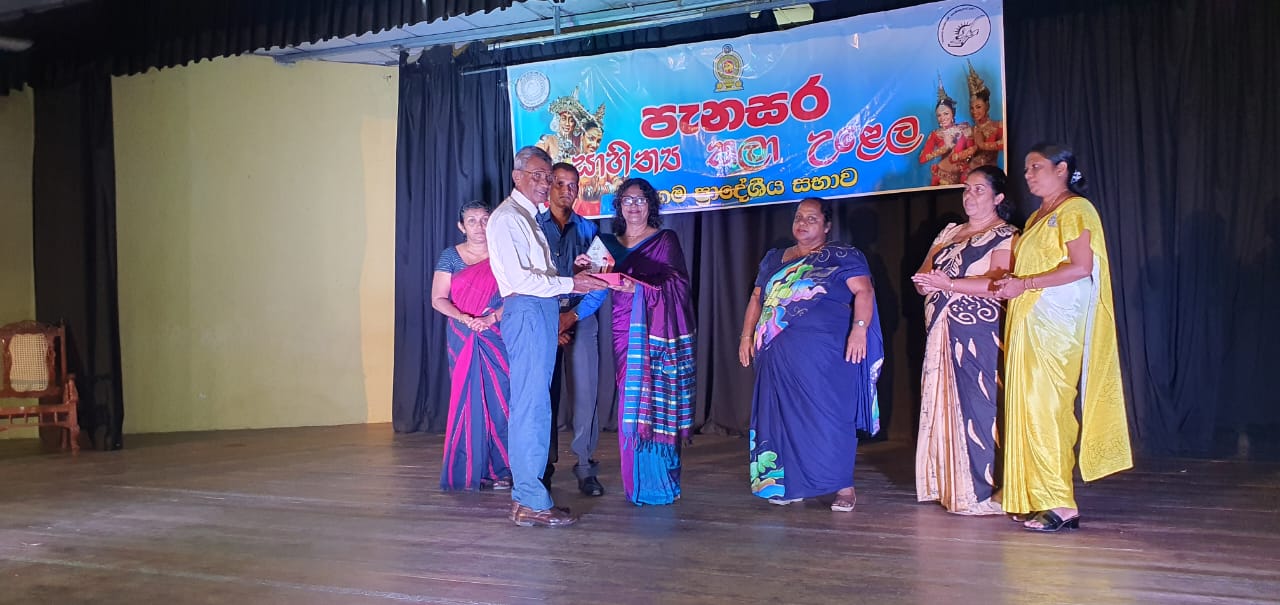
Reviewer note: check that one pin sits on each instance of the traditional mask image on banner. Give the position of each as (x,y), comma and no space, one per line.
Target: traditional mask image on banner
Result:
(894,101)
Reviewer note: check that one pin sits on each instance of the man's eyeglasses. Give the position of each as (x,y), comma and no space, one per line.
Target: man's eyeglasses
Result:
(538,176)
(633,200)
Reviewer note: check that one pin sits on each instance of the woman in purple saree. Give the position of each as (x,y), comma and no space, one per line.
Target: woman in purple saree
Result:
(464,290)
(652,346)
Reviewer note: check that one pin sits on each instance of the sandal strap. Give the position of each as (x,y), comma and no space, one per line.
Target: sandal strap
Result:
(1048,518)
(1051,521)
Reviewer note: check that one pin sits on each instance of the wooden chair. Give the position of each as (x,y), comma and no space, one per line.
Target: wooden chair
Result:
(33,365)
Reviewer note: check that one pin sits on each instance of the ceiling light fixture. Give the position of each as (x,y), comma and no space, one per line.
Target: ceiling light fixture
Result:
(15,45)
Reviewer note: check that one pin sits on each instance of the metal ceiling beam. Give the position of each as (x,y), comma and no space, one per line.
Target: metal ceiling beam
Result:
(12,10)
(587,24)
(729,8)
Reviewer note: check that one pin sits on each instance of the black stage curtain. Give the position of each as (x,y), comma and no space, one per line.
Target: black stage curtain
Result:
(1165,103)
(453,142)
(454,145)
(131,36)
(74,227)
(716,392)
(1168,105)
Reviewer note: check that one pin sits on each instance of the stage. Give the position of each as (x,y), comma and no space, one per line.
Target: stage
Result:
(353,514)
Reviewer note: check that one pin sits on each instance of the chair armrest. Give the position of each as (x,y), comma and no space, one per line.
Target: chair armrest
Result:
(69,392)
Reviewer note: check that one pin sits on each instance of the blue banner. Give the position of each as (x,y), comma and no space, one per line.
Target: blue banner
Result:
(894,101)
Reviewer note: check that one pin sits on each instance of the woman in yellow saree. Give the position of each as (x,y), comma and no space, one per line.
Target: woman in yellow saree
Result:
(1061,342)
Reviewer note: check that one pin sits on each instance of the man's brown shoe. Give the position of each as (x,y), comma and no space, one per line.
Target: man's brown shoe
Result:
(552,517)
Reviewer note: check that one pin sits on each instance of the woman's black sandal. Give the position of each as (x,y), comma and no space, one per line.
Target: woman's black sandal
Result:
(1051,522)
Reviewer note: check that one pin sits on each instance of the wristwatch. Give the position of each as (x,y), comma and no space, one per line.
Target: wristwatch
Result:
(861,323)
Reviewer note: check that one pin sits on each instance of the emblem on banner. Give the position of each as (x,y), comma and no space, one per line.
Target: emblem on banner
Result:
(728,68)
(964,30)
(533,89)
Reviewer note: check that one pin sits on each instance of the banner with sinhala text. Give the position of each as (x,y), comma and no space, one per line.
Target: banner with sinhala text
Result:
(893,101)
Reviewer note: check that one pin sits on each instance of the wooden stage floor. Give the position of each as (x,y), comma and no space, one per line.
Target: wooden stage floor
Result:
(353,515)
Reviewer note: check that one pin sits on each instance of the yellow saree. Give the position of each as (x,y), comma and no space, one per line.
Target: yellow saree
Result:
(1061,341)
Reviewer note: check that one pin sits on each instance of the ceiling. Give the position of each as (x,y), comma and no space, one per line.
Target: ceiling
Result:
(528,22)
(16,9)
(524,22)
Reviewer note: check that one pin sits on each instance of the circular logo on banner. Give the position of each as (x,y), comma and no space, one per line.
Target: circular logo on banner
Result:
(533,88)
(964,30)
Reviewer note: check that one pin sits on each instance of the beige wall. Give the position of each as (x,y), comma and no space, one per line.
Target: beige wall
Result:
(17,270)
(256,236)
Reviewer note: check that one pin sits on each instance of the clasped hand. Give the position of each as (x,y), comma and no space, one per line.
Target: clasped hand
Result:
(1008,287)
(933,281)
(480,324)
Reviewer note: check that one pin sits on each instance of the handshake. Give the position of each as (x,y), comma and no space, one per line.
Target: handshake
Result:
(587,276)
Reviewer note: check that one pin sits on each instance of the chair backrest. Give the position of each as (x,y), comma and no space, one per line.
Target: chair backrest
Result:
(33,360)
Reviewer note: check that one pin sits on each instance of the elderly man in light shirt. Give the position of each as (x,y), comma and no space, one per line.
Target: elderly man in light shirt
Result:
(530,286)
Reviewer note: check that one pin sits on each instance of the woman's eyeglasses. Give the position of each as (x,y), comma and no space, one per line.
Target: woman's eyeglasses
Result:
(633,200)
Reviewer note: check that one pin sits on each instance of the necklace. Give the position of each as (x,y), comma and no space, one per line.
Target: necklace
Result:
(995,221)
(797,251)
(819,248)
(1048,207)
(631,239)
(472,253)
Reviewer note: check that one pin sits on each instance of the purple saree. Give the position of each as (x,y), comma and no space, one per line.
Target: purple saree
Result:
(653,352)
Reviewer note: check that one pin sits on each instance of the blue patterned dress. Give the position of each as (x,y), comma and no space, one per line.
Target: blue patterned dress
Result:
(809,403)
